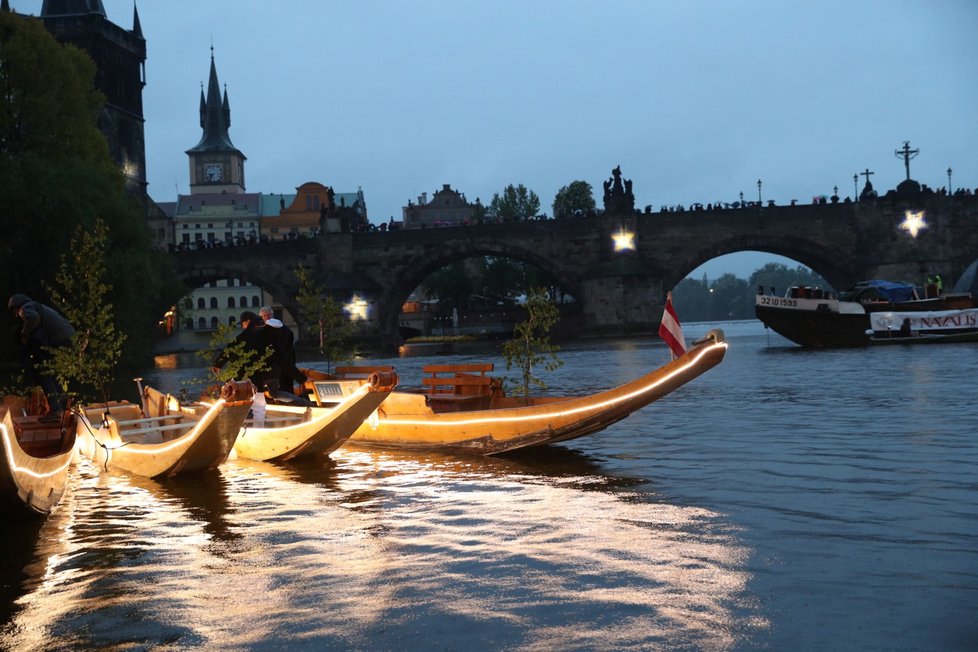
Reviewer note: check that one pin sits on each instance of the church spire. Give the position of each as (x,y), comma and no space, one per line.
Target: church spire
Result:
(137,29)
(215,117)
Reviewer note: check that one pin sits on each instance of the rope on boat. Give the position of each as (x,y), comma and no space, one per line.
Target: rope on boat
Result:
(108,451)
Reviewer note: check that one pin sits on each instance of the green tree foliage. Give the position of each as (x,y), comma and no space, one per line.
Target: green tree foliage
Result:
(56,174)
(573,198)
(516,202)
(238,360)
(530,347)
(81,294)
(454,284)
(333,328)
(781,277)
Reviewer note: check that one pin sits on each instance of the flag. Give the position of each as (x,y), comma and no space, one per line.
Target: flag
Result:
(671,330)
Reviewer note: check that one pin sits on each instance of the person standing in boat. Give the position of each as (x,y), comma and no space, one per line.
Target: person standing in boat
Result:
(257,339)
(283,343)
(43,328)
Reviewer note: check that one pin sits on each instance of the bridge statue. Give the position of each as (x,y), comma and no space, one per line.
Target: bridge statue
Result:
(618,197)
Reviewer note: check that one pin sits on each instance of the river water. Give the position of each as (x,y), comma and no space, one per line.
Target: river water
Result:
(787,499)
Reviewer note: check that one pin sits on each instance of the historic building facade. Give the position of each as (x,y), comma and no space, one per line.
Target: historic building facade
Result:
(447,208)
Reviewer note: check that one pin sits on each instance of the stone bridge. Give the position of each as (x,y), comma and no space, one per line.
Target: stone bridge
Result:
(617,291)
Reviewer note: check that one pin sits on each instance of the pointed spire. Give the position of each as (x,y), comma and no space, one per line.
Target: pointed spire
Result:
(215,116)
(203,107)
(5,6)
(227,108)
(137,29)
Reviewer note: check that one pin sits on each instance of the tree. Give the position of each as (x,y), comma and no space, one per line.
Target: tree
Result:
(780,277)
(531,345)
(333,327)
(239,361)
(82,295)
(515,203)
(56,174)
(573,198)
(453,285)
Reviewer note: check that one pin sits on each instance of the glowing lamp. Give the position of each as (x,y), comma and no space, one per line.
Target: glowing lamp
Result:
(913,223)
(624,240)
(357,308)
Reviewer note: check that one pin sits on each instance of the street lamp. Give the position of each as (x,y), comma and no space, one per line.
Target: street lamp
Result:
(949,181)
(758,191)
(855,187)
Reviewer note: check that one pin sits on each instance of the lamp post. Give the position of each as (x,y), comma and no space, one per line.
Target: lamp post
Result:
(741,198)
(758,191)
(855,187)
(949,181)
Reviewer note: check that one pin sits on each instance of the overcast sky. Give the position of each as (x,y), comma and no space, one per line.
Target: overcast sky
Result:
(695,99)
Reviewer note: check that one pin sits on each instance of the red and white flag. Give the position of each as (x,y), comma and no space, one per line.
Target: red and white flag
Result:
(671,330)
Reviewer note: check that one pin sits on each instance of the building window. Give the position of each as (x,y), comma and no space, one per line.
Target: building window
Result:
(213,302)
(255,301)
(214,323)
(230,302)
(201,303)
(202,324)
(231,321)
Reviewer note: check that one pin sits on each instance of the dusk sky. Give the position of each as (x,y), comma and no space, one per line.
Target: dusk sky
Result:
(695,100)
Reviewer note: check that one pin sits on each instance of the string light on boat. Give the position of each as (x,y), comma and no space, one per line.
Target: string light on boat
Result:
(624,240)
(357,308)
(913,223)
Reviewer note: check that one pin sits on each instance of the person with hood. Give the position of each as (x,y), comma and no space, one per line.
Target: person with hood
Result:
(42,329)
(283,341)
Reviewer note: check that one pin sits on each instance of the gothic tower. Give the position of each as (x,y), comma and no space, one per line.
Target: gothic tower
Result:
(216,165)
(120,60)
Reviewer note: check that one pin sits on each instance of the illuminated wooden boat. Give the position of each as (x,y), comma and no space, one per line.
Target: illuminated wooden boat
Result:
(488,423)
(287,431)
(36,458)
(164,437)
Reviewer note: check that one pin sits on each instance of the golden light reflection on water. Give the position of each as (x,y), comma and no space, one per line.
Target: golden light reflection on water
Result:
(382,550)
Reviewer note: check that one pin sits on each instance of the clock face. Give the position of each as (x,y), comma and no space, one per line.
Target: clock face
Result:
(213,172)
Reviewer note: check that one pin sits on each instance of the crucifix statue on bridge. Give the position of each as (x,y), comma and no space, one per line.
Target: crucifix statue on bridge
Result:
(906,154)
(868,188)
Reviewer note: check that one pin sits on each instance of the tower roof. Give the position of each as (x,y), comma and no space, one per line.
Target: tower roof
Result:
(71,7)
(215,117)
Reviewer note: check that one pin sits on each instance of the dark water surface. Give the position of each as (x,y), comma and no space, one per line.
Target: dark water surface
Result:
(786,500)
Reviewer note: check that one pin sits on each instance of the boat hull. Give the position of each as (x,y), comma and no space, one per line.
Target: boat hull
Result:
(34,468)
(207,444)
(324,429)
(816,329)
(405,420)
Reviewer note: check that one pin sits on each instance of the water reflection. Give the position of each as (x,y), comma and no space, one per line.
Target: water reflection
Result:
(375,549)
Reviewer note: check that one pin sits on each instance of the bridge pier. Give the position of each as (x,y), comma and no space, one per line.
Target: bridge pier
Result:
(620,305)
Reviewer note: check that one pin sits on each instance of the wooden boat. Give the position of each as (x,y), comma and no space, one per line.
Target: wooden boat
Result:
(813,318)
(475,416)
(287,431)
(164,437)
(36,458)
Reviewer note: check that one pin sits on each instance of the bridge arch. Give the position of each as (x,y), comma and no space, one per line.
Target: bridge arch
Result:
(813,254)
(412,272)
(196,277)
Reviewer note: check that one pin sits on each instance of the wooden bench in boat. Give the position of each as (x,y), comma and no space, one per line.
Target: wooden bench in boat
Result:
(362,372)
(457,387)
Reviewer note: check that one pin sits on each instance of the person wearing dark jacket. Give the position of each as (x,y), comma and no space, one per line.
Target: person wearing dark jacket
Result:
(43,328)
(283,341)
(258,339)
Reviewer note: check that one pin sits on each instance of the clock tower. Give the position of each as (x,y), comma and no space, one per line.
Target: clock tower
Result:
(216,165)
